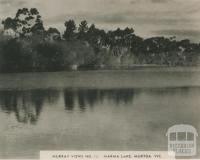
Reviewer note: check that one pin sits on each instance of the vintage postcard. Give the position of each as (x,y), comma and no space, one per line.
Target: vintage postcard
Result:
(99,79)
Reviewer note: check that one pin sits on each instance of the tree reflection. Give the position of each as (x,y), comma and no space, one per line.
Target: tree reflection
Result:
(69,99)
(27,105)
(90,97)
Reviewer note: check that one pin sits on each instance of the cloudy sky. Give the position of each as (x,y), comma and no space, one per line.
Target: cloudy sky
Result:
(147,17)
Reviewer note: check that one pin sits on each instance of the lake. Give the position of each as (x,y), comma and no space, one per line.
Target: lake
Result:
(96,110)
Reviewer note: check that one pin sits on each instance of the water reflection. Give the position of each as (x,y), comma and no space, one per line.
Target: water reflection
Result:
(110,119)
(90,97)
(27,105)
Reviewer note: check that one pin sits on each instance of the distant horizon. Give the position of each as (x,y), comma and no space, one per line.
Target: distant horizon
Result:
(148,18)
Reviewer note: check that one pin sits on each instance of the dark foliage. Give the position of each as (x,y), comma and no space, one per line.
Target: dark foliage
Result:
(25,45)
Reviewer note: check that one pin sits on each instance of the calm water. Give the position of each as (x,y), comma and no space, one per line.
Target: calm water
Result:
(95,110)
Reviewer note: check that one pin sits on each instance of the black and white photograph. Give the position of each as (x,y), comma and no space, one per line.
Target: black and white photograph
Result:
(99,75)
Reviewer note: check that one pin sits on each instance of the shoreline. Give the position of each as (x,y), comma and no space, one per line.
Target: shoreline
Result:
(105,68)
(137,78)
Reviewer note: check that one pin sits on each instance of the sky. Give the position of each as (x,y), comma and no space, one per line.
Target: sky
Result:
(180,18)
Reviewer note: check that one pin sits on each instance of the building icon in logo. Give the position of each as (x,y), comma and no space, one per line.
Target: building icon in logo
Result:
(182,140)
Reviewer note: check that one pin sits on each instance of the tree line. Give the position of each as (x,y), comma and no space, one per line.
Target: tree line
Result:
(25,45)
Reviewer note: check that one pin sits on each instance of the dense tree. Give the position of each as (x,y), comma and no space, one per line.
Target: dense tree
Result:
(95,37)
(119,42)
(83,28)
(53,34)
(25,45)
(49,56)
(12,56)
(26,22)
(69,34)
(77,54)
